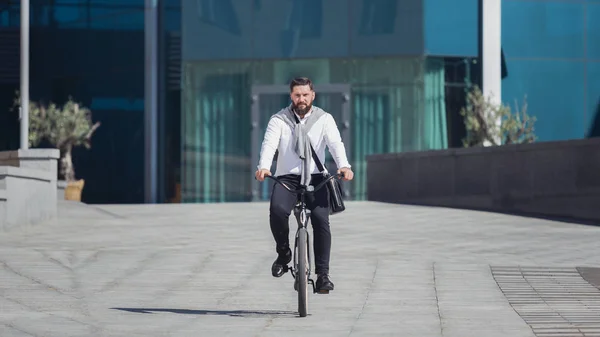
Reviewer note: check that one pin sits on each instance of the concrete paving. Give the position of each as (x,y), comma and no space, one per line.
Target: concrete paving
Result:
(204,270)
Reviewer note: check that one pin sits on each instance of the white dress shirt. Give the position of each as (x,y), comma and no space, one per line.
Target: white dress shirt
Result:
(278,136)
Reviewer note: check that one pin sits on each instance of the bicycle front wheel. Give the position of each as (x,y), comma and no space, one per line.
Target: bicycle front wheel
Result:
(302,272)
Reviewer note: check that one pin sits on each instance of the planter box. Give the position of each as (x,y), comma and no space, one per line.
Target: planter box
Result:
(557,179)
(27,187)
(27,197)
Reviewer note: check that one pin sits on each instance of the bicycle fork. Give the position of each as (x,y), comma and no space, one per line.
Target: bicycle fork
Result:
(302,216)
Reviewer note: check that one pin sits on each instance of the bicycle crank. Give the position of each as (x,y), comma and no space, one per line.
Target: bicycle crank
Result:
(313,285)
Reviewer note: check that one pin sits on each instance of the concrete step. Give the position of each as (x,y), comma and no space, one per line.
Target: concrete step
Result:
(28,197)
(3,197)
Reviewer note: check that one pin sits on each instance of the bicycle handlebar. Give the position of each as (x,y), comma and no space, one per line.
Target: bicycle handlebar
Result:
(316,188)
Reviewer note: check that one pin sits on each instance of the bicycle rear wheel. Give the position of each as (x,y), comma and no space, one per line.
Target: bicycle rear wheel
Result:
(302,272)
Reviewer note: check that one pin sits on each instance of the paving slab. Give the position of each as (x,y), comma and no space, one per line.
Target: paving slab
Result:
(204,270)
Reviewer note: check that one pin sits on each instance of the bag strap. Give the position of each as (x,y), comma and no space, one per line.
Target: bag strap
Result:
(316,159)
(312,150)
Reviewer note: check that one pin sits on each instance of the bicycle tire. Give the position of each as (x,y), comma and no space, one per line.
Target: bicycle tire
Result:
(302,272)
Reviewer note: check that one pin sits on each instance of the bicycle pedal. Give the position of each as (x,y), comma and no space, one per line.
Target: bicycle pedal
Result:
(323,292)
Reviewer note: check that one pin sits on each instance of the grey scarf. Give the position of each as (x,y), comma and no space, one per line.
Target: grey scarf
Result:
(301,141)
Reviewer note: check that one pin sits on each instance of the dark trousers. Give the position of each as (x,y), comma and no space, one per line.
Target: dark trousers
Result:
(282,204)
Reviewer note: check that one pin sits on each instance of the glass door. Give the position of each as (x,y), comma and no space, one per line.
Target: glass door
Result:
(267,100)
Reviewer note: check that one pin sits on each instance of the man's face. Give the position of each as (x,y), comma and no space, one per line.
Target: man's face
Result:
(302,99)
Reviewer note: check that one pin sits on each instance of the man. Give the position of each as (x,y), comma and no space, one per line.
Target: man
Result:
(296,167)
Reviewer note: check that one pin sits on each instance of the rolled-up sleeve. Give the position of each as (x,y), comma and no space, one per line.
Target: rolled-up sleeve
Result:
(270,143)
(333,139)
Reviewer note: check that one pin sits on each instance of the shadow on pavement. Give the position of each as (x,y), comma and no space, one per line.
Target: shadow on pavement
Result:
(591,275)
(233,313)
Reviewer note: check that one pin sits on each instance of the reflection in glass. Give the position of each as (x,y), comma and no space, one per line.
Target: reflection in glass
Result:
(451,27)
(594,127)
(215,144)
(557,119)
(396,105)
(10,15)
(593,30)
(304,20)
(544,29)
(378,17)
(299,28)
(275,29)
(593,99)
(268,104)
(386,27)
(219,13)
(435,134)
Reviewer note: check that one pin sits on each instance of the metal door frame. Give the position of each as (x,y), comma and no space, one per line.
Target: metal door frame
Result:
(343,125)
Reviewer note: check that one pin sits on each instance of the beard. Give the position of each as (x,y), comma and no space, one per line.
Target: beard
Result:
(301,111)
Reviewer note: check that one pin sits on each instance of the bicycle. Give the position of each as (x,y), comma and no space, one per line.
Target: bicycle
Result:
(301,257)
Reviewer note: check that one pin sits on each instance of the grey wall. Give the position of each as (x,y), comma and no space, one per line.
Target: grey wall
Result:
(559,179)
(28,192)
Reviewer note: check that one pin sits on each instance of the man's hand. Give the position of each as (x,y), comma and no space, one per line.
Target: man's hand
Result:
(347,172)
(261,174)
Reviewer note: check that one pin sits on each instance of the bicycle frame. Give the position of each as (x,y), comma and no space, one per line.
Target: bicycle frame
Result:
(302,214)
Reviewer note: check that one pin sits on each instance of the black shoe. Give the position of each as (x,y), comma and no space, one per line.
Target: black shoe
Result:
(324,284)
(279,267)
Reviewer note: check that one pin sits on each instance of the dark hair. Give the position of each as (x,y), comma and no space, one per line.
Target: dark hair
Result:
(301,81)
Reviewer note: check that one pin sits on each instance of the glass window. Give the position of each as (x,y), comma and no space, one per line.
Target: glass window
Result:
(543,29)
(99,17)
(101,2)
(70,16)
(115,103)
(451,27)
(112,166)
(217,29)
(172,3)
(386,27)
(215,144)
(555,95)
(172,19)
(70,2)
(593,30)
(10,15)
(118,2)
(396,104)
(300,28)
(118,19)
(593,98)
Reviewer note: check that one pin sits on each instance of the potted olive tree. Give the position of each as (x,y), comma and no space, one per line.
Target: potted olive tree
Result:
(481,118)
(64,127)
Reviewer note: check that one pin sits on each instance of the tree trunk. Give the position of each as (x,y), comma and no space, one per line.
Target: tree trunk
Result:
(66,164)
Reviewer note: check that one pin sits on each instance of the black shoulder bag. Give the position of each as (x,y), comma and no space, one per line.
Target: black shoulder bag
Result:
(336,202)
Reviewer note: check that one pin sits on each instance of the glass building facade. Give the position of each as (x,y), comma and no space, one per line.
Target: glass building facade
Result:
(92,50)
(367,59)
(552,51)
(392,72)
